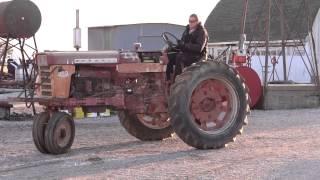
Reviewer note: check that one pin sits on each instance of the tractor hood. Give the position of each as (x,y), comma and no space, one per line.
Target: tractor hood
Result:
(85,57)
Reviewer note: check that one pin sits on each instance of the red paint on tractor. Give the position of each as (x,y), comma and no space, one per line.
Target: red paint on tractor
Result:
(253,82)
(210,105)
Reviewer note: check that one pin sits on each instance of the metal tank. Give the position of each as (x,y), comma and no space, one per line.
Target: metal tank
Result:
(19,19)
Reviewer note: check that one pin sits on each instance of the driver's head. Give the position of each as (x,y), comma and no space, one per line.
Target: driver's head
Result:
(193,21)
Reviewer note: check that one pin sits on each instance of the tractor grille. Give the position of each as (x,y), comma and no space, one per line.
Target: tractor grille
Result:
(46,86)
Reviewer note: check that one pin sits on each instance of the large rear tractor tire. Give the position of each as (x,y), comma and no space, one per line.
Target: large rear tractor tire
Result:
(146,127)
(208,105)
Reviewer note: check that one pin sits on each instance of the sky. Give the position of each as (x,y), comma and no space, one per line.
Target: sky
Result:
(58,16)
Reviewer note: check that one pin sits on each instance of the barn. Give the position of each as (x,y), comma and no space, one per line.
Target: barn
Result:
(300,16)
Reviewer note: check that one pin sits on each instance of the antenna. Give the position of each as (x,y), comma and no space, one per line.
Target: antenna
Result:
(77,33)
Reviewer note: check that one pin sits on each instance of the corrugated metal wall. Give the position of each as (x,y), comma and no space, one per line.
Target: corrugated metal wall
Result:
(124,36)
(316,35)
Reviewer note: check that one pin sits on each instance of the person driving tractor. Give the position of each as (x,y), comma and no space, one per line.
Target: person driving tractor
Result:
(191,48)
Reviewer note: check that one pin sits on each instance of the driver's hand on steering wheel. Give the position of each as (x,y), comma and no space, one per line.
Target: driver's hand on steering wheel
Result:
(170,44)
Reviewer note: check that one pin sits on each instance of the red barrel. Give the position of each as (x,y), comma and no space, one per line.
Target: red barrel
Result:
(19,19)
(253,82)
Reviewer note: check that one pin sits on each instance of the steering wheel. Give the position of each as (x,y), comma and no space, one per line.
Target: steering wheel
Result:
(166,37)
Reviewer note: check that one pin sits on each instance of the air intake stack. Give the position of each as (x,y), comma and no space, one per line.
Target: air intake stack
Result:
(77,33)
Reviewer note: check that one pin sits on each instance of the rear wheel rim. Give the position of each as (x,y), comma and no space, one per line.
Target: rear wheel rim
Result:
(214,105)
(154,121)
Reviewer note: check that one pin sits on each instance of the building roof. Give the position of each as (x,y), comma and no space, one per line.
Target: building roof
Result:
(223,24)
(134,24)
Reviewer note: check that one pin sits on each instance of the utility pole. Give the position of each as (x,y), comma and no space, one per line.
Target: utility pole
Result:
(243,37)
(268,16)
(283,36)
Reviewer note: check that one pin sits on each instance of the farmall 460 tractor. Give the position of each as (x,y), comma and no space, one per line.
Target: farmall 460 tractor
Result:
(206,106)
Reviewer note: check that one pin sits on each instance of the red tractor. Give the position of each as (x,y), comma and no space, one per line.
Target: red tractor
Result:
(206,106)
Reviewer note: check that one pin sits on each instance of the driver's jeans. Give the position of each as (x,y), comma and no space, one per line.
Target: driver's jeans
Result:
(178,63)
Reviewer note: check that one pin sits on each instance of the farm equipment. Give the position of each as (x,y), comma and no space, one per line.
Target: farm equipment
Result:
(206,106)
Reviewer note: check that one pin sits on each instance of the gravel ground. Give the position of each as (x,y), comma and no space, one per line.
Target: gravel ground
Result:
(275,145)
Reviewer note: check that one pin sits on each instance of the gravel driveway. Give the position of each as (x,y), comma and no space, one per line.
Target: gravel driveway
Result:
(275,145)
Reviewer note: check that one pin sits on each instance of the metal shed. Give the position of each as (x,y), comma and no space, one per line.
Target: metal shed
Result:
(124,36)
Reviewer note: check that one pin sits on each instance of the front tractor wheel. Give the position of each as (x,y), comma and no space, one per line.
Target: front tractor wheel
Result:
(145,127)
(59,133)
(208,105)
(38,130)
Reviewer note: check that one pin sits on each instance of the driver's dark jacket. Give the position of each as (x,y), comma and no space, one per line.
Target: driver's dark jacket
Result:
(193,50)
(195,44)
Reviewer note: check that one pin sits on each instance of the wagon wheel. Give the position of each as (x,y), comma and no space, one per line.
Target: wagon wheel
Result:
(146,127)
(59,134)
